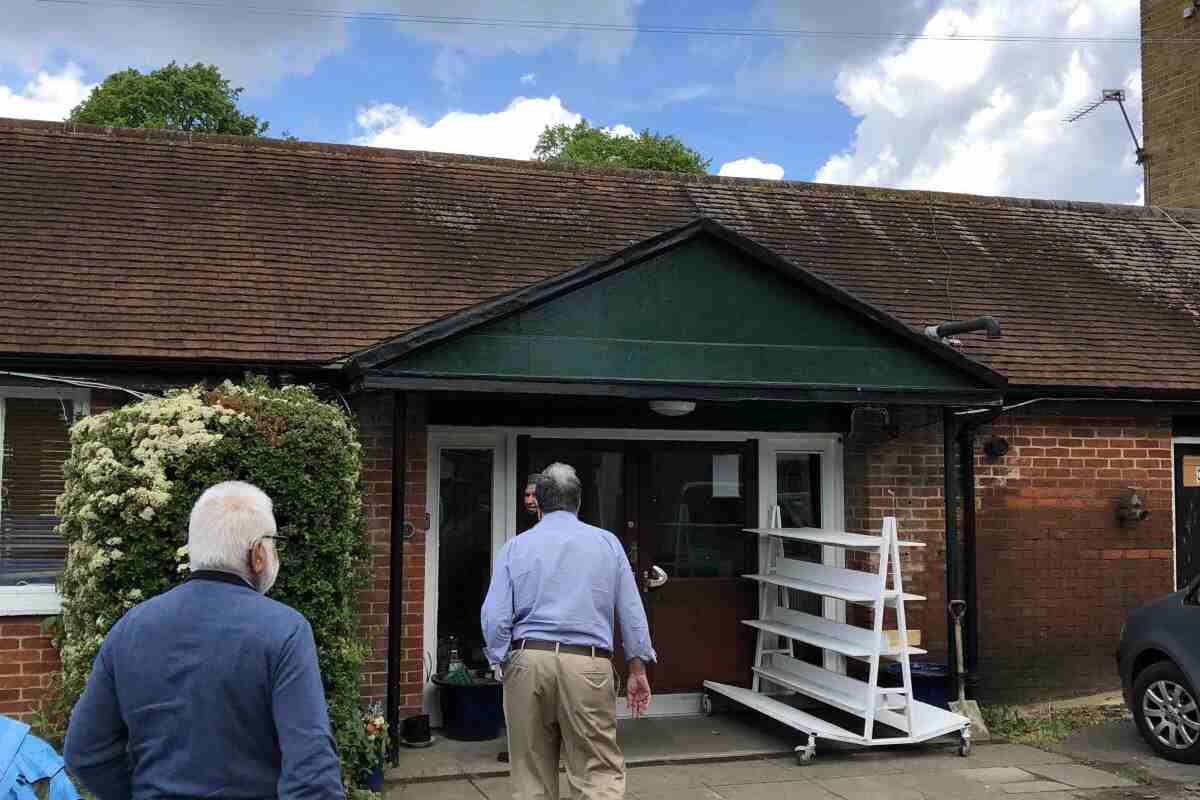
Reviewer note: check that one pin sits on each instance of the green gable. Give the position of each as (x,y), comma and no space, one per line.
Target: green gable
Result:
(700,312)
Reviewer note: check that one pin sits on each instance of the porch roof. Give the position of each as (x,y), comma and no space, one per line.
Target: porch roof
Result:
(698,309)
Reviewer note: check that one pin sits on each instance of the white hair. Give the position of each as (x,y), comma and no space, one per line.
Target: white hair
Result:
(558,489)
(226,521)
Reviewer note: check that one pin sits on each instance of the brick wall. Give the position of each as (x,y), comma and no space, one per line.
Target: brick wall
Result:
(1171,104)
(374,413)
(27,660)
(1056,572)
(413,594)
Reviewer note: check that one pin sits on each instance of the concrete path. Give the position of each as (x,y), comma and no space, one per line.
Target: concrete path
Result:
(914,773)
(1118,745)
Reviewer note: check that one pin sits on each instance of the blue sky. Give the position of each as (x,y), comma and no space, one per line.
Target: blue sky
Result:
(979,117)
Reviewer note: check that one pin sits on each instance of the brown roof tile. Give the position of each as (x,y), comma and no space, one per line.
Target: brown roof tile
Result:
(161,245)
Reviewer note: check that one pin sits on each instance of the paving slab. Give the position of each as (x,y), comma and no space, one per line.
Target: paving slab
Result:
(1081,777)
(676,794)
(1013,755)
(1034,787)
(792,790)
(996,775)
(870,788)
(440,790)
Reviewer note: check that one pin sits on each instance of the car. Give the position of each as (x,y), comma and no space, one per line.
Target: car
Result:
(1159,664)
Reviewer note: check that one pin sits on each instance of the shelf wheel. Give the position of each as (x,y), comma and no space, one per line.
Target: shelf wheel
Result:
(805,753)
(706,705)
(964,743)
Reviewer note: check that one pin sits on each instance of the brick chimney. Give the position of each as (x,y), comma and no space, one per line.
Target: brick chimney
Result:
(1171,101)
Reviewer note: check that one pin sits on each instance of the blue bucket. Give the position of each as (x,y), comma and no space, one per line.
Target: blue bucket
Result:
(929,681)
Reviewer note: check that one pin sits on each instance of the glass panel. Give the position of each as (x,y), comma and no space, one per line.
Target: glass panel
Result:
(601,472)
(697,510)
(798,493)
(464,552)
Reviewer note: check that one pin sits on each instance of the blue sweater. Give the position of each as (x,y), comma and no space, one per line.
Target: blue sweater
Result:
(208,690)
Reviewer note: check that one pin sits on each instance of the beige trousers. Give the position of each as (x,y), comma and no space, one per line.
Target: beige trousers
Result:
(562,704)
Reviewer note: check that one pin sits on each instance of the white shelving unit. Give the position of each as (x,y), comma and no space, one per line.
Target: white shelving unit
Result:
(776,671)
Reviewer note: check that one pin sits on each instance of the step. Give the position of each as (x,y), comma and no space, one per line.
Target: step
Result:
(829,590)
(839,691)
(845,539)
(848,640)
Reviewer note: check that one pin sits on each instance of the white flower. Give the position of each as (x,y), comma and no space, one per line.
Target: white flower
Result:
(116,555)
(113,541)
(183,567)
(181,552)
(147,513)
(135,594)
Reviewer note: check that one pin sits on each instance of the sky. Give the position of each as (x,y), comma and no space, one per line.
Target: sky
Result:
(982,117)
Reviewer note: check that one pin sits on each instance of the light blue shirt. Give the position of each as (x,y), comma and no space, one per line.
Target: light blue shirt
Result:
(562,581)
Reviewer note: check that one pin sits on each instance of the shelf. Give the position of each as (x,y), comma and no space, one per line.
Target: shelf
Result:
(838,637)
(849,541)
(839,691)
(828,590)
(792,717)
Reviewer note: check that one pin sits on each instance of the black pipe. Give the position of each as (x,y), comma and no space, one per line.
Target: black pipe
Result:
(396,572)
(966,451)
(950,495)
(988,324)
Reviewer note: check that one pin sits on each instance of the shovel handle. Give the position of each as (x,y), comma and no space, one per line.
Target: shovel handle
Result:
(957,609)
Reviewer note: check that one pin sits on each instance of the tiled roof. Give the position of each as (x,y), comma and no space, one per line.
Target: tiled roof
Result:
(148,244)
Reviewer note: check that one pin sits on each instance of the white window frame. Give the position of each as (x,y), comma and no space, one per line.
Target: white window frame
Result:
(40,599)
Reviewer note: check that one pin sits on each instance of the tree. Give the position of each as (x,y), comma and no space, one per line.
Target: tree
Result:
(590,146)
(189,98)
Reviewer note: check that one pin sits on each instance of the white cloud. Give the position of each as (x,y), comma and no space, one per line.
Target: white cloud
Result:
(529,79)
(449,67)
(986,118)
(511,133)
(751,168)
(621,130)
(47,96)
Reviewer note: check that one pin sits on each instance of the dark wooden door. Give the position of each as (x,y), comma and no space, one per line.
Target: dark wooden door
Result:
(1187,513)
(693,502)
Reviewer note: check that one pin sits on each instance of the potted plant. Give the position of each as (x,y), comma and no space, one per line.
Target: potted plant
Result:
(375,728)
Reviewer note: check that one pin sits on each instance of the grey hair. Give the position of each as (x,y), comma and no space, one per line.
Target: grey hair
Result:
(558,489)
(226,522)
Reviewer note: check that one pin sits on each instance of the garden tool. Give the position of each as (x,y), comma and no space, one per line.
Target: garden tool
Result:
(963,706)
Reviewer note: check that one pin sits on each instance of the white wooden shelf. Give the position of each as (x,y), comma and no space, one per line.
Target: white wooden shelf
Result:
(775,666)
(828,590)
(844,539)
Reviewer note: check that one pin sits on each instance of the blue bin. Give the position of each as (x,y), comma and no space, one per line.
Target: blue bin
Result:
(929,681)
(471,713)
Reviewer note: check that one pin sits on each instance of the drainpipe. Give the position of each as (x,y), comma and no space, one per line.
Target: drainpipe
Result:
(950,494)
(988,324)
(396,572)
(966,457)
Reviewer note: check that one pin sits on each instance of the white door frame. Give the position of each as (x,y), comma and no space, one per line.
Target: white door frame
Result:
(503,440)
(503,507)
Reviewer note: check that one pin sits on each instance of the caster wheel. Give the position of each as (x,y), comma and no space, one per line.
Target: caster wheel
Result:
(706,705)
(805,755)
(964,747)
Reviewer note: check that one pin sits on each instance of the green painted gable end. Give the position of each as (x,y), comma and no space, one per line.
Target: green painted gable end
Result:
(702,312)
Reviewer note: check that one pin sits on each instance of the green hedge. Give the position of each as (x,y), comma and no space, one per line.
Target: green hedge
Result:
(131,480)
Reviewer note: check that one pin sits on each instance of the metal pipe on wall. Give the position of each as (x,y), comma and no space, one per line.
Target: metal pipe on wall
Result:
(966,457)
(950,496)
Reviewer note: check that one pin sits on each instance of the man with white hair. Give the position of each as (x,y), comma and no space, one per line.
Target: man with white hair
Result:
(209,689)
(548,625)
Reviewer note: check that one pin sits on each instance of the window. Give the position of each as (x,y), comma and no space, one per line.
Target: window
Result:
(34,443)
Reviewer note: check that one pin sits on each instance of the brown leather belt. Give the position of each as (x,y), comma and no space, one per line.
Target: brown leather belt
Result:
(556,647)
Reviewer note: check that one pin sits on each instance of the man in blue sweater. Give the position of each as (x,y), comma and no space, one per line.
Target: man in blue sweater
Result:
(210,689)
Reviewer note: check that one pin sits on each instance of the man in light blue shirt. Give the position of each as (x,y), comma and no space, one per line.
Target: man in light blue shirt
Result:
(548,624)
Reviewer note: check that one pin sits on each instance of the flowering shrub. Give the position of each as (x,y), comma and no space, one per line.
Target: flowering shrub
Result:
(131,479)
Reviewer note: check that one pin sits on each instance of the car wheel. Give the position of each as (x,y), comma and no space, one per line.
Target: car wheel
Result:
(1167,713)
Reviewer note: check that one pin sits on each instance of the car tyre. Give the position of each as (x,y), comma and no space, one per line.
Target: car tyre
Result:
(1167,710)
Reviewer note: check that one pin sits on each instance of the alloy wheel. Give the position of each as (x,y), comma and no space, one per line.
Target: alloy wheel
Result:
(1171,714)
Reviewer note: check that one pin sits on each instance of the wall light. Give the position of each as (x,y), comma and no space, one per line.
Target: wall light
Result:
(672,408)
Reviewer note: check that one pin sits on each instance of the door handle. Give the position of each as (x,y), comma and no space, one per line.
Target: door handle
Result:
(655,577)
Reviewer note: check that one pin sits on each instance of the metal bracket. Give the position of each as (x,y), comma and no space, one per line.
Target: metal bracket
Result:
(408,531)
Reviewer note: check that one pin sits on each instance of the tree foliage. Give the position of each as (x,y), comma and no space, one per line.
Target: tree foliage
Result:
(598,147)
(189,98)
(132,477)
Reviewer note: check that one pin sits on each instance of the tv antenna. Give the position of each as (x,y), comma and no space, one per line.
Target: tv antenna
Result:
(1111,96)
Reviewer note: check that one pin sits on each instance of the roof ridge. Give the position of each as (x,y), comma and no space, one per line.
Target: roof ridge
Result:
(835,190)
